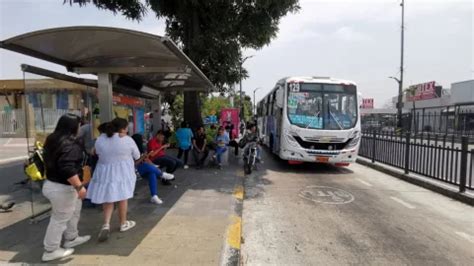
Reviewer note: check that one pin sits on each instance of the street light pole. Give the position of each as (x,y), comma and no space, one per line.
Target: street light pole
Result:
(240,94)
(400,81)
(254,103)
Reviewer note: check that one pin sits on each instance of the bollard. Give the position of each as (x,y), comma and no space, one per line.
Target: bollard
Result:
(463,171)
(373,146)
(407,152)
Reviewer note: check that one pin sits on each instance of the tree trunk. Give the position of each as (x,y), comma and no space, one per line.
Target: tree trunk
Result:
(192,109)
(192,106)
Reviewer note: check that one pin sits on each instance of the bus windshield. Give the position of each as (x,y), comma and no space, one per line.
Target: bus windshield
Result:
(322,106)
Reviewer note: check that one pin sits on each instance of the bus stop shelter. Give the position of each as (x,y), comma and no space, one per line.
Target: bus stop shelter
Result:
(128,62)
(142,64)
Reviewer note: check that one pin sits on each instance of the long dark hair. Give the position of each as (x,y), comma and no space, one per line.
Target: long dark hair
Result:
(138,138)
(115,126)
(64,133)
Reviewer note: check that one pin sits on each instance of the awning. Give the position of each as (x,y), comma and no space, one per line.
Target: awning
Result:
(136,58)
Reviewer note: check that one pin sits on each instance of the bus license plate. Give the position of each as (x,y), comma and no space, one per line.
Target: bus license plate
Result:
(322,159)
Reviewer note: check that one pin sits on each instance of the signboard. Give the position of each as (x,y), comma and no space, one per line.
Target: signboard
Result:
(230,115)
(423,91)
(126,100)
(368,103)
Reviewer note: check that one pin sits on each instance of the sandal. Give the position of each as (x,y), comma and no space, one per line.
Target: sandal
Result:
(104,233)
(127,226)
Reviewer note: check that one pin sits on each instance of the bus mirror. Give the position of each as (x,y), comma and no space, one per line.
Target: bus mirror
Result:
(280,98)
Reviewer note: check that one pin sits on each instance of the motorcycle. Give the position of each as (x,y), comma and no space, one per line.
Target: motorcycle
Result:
(250,156)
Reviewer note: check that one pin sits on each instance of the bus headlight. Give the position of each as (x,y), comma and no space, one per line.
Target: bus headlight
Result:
(290,139)
(354,141)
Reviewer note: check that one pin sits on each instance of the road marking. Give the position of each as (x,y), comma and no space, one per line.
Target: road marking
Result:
(239,192)
(465,236)
(408,205)
(364,182)
(234,232)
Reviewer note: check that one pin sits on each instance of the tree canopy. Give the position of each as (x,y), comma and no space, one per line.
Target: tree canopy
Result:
(212,33)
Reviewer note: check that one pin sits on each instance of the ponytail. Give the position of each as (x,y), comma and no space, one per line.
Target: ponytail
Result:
(109,129)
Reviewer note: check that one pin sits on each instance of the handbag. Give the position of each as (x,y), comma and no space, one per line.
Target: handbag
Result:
(34,167)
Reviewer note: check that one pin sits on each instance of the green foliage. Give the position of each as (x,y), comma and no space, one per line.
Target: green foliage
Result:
(176,108)
(211,32)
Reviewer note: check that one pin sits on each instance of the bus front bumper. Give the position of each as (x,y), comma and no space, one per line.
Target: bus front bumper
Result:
(319,156)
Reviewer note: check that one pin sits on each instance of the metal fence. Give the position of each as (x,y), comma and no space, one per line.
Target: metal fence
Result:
(13,122)
(440,158)
(457,120)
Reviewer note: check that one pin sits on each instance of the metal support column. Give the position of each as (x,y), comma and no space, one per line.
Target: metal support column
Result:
(156,111)
(105,96)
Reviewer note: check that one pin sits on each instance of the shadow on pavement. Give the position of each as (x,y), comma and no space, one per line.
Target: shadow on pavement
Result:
(256,182)
(22,241)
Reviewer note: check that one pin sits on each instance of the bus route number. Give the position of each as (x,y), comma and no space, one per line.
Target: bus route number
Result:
(294,87)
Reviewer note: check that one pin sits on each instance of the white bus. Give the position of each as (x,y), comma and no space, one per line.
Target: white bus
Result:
(312,119)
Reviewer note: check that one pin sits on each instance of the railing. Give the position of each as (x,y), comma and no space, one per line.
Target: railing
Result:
(440,158)
(13,122)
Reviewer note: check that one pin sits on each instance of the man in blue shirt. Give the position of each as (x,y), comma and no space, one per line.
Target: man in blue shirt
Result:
(184,137)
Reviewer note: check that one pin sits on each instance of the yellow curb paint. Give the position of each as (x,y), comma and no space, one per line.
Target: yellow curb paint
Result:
(239,192)
(234,232)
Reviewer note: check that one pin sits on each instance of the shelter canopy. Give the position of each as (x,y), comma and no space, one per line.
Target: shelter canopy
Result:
(136,58)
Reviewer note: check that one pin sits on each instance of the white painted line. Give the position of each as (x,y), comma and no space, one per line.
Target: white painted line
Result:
(465,236)
(408,205)
(13,159)
(364,182)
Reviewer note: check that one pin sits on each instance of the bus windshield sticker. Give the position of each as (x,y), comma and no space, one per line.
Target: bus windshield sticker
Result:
(307,121)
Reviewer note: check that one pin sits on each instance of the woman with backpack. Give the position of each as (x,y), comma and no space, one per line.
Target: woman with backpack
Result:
(63,158)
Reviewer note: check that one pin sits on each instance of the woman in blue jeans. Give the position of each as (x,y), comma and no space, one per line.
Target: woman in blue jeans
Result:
(148,170)
(222,140)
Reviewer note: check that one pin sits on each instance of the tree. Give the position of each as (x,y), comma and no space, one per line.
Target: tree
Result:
(211,32)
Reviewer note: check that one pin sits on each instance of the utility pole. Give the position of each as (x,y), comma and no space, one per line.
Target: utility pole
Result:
(241,106)
(400,81)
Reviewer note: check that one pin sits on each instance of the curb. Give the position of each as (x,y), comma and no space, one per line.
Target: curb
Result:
(451,193)
(13,160)
(233,241)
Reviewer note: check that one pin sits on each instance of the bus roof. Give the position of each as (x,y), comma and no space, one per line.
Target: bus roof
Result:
(315,79)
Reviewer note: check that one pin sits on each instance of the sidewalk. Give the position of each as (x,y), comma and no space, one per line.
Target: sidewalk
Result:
(189,228)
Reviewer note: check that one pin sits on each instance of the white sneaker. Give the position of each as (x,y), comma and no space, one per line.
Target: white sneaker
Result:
(167,176)
(186,166)
(127,226)
(156,200)
(79,240)
(57,254)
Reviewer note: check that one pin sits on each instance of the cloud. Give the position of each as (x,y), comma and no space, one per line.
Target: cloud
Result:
(349,34)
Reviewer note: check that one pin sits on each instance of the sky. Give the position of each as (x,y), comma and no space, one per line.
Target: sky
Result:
(357,40)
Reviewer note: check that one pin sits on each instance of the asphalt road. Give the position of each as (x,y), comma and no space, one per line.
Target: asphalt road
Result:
(320,215)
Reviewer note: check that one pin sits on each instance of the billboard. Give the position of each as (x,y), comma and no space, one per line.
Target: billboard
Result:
(368,103)
(423,91)
(230,116)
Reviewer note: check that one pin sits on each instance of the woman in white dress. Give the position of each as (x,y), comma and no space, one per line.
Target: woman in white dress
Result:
(114,176)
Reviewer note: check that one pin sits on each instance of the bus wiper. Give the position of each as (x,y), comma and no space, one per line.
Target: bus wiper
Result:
(318,115)
(334,118)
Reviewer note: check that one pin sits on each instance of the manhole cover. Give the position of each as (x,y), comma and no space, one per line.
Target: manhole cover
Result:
(328,195)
